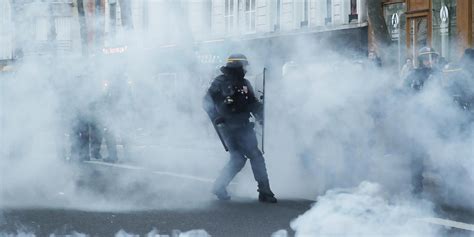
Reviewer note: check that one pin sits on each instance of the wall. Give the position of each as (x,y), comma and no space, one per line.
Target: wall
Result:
(199,17)
(6,31)
(318,13)
(287,15)
(340,12)
(218,23)
(291,15)
(263,17)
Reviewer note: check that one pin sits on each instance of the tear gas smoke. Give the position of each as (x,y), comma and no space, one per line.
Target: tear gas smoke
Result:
(365,211)
(331,123)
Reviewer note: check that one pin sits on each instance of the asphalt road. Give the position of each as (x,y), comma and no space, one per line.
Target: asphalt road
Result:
(161,201)
(113,198)
(237,218)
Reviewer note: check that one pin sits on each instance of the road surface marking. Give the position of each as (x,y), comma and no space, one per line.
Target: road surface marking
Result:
(131,167)
(448,223)
(184,176)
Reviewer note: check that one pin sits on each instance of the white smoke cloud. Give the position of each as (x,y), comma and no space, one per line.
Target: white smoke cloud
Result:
(342,123)
(365,211)
(45,97)
(338,123)
(331,123)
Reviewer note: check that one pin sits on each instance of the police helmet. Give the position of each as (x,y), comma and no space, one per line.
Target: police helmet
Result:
(237,61)
(427,57)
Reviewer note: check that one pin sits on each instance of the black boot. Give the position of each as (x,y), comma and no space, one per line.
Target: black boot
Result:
(265,197)
(265,193)
(221,194)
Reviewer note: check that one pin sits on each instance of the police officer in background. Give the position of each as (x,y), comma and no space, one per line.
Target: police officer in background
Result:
(428,69)
(460,85)
(428,60)
(467,61)
(229,102)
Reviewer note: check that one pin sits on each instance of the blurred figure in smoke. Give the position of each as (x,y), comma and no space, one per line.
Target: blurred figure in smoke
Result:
(428,62)
(92,125)
(406,69)
(102,108)
(229,102)
(375,60)
(415,81)
(467,61)
(114,109)
(459,80)
(86,135)
(85,143)
(460,85)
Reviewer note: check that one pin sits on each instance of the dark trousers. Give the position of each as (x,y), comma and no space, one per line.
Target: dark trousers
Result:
(418,158)
(243,145)
(87,140)
(80,149)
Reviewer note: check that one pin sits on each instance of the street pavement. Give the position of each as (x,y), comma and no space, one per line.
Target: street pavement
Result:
(124,198)
(164,201)
(237,218)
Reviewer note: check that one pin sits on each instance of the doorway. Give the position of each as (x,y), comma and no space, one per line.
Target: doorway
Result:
(419,35)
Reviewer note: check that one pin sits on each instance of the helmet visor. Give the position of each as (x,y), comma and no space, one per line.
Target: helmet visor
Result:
(236,62)
(428,60)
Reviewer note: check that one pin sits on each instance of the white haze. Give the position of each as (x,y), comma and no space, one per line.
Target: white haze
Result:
(365,211)
(331,123)
(42,100)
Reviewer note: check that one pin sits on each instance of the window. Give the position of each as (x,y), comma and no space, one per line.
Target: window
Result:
(278,15)
(305,20)
(328,11)
(418,35)
(229,16)
(353,15)
(249,16)
(395,19)
(444,28)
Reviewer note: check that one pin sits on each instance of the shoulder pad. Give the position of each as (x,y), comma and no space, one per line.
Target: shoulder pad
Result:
(220,78)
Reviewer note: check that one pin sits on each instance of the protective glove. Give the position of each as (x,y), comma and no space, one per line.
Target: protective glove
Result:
(228,100)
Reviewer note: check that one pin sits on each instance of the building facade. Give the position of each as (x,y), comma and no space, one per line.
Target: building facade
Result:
(281,29)
(42,25)
(6,31)
(445,25)
(239,17)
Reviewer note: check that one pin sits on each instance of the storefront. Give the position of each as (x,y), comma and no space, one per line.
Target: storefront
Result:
(445,25)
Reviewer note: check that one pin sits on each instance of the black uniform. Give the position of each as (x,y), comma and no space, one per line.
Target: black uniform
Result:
(460,88)
(418,77)
(229,102)
(85,135)
(84,144)
(415,81)
(88,133)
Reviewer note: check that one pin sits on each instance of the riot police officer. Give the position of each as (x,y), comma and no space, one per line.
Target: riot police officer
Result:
(428,60)
(428,64)
(460,85)
(229,102)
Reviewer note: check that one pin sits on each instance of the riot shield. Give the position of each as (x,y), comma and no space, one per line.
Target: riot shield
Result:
(259,89)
